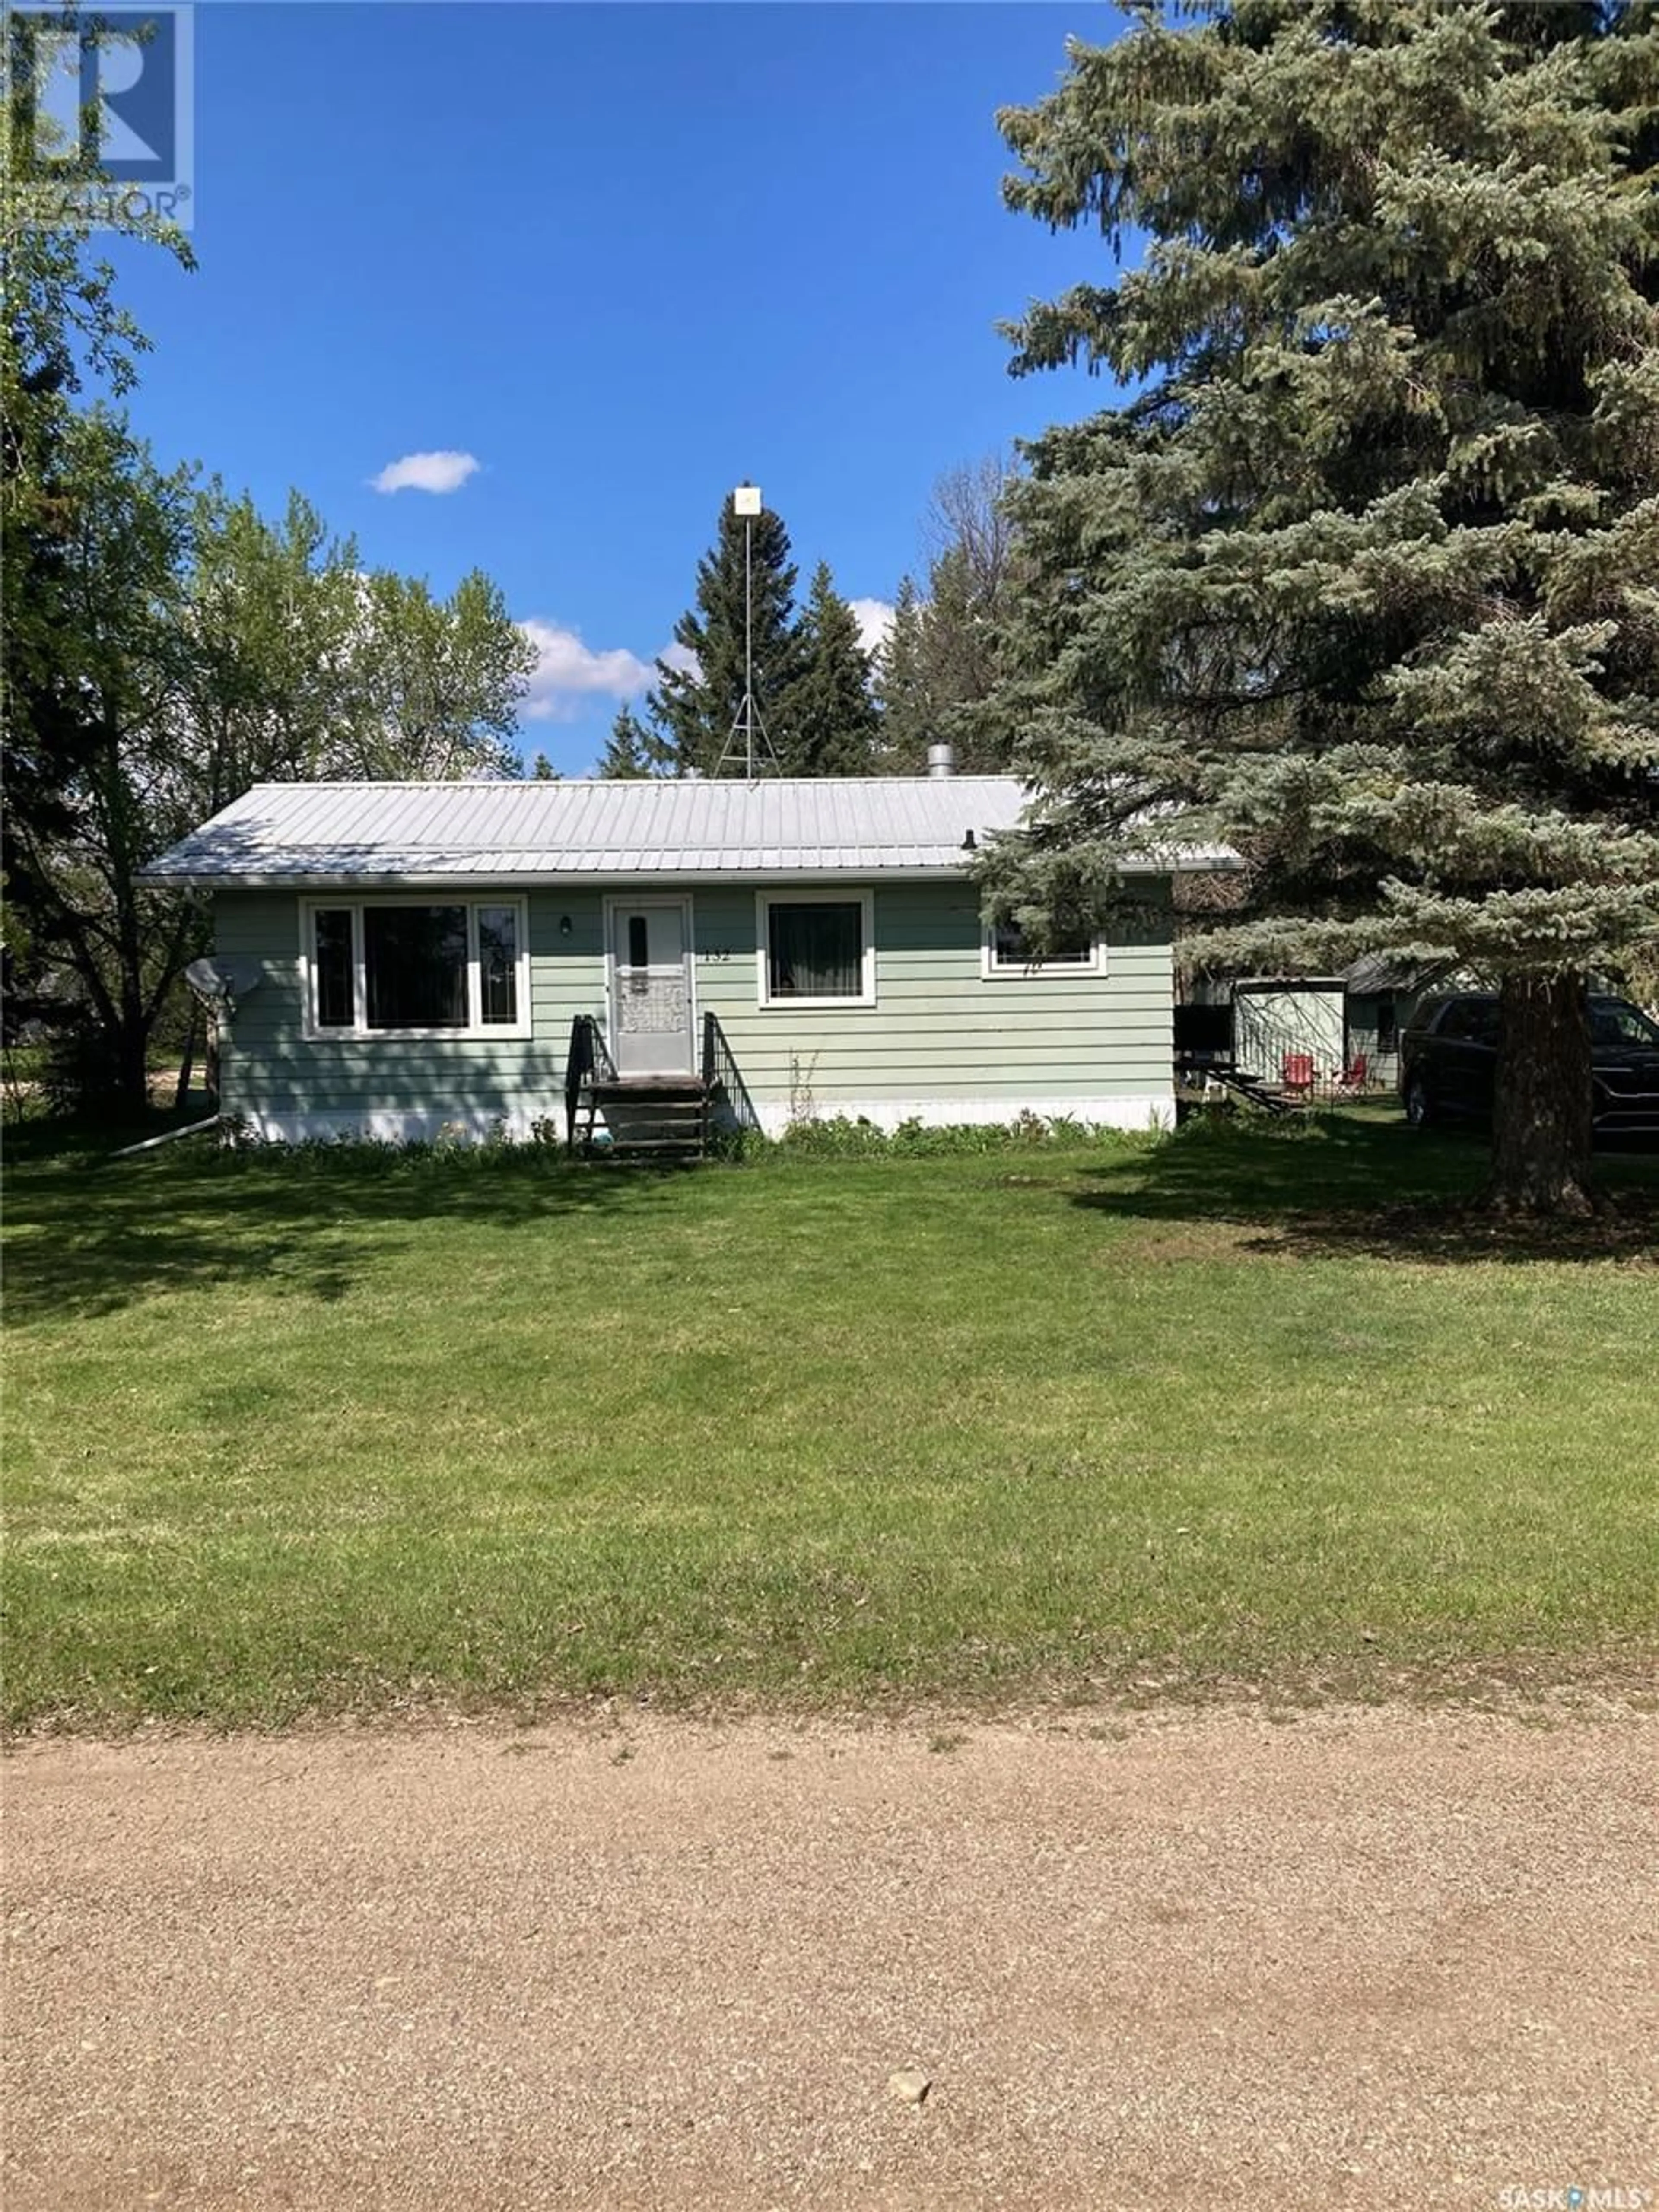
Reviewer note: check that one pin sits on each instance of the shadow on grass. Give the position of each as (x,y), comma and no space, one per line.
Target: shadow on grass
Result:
(89,1234)
(1363,1185)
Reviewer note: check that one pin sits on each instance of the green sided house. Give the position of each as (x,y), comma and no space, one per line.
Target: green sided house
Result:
(393,960)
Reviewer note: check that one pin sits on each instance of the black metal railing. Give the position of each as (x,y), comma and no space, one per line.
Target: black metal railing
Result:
(578,1066)
(724,1080)
(589,1058)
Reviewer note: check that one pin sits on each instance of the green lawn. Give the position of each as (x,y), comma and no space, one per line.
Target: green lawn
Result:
(330,1431)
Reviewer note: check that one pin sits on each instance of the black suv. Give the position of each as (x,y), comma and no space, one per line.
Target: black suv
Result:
(1448,1057)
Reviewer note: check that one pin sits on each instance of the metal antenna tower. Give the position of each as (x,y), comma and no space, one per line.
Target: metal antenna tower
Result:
(746,724)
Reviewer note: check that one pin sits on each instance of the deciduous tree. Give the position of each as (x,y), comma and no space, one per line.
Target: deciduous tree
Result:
(944,656)
(162,647)
(272,686)
(205,650)
(436,681)
(63,332)
(122,554)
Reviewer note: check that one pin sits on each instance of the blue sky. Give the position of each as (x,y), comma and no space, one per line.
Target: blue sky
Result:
(622,257)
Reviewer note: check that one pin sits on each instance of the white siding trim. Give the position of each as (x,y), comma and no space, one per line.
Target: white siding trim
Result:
(412,1125)
(402,1125)
(1153,1109)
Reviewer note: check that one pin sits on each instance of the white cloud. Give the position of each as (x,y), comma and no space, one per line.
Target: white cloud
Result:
(426,472)
(681,658)
(874,618)
(567,672)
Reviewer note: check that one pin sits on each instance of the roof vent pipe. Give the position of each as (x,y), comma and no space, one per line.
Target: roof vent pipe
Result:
(941,760)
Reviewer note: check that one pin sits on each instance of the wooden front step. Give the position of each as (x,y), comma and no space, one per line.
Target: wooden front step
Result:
(661,1117)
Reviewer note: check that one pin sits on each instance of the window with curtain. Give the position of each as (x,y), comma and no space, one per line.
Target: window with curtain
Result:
(815,949)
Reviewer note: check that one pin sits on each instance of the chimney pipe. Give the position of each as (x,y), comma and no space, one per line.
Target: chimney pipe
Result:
(941,760)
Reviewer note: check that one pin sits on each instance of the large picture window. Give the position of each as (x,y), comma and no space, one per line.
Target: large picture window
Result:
(817,952)
(415,963)
(417,968)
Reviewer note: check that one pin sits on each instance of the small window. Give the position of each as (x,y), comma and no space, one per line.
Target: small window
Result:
(498,964)
(335,986)
(815,949)
(1007,953)
(638,941)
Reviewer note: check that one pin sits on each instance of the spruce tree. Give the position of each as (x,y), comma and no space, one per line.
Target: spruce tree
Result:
(908,714)
(695,706)
(962,661)
(632,750)
(1362,577)
(828,718)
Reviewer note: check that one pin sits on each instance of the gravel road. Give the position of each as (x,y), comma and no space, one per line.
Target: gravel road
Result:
(1371,1958)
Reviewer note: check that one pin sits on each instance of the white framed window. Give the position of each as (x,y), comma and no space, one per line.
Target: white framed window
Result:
(1005,953)
(413,967)
(816,948)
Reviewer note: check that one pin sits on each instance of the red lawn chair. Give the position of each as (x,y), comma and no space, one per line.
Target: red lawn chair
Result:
(1355,1077)
(1297,1073)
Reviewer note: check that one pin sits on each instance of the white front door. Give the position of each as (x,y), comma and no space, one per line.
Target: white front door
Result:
(651,987)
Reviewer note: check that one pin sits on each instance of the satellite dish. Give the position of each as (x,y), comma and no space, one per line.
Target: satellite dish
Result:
(220,984)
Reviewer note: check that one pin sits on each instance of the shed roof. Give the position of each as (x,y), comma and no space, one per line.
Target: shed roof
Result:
(308,834)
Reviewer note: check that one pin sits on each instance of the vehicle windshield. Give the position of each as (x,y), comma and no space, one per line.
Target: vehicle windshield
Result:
(1612,1022)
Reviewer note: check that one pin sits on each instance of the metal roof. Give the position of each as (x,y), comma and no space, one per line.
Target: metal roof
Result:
(528,833)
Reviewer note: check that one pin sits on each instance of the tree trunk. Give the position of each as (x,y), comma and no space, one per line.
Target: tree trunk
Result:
(187,1063)
(132,1043)
(1541,1133)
